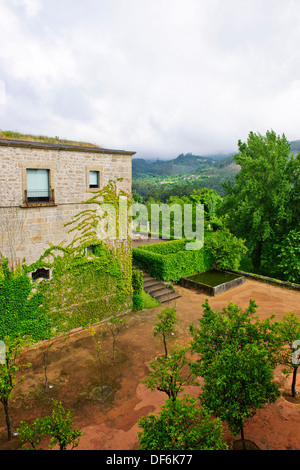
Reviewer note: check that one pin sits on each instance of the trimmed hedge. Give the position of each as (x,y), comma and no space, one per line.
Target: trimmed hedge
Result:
(169,261)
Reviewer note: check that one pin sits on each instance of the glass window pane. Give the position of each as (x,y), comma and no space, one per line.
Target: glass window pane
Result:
(37,183)
(94,179)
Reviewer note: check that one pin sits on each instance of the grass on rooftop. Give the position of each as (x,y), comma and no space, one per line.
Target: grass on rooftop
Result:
(11,135)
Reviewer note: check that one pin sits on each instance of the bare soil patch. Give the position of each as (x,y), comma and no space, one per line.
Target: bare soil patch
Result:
(110,421)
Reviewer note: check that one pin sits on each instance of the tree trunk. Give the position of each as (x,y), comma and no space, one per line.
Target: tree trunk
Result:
(45,369)
(294,393)
(7,417)
(243,437)
(165,346)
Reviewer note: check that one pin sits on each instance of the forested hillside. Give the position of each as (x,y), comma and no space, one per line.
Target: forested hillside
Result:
(161,179)
(180,176)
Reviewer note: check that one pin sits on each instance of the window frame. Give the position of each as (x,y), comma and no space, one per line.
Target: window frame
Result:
(30,165)
(99,170)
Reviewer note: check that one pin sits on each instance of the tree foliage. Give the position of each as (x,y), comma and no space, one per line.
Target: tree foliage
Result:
(226,249)
(168,317)
(171,374)
(181,425)
(260,205)
(9,373)
(288,328)
(59,426)
(237,383)
(20,311)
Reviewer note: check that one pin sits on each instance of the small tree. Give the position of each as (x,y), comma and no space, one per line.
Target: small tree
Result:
(237,383)
(288,329)
(100,354)
(45,348)
(115,325)
(168,317)
(232,326)
(32,434)
(8,373)
(170,374)
(45,351)
(59,426)
(181,425)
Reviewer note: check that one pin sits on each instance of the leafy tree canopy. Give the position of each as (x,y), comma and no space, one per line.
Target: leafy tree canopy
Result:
(261,203)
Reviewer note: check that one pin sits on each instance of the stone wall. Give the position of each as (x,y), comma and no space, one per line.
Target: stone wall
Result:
(26,230)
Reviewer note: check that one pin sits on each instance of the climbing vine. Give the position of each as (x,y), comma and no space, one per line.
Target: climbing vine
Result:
(91,276)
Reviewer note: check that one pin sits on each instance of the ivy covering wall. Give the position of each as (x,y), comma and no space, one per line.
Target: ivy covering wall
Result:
(91,278)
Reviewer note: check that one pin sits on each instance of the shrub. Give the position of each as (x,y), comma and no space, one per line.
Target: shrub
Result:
(137,281)
(137,302)
(137,290)
(226,249)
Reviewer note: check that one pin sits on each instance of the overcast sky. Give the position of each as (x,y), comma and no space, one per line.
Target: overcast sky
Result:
(159,77)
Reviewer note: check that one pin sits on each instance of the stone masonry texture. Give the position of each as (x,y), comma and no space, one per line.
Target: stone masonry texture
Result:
(26,231)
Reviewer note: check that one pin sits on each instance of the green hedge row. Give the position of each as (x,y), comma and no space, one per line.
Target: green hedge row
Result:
(169,261)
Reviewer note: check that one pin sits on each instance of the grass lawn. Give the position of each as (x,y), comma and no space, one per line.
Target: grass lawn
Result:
(149,302)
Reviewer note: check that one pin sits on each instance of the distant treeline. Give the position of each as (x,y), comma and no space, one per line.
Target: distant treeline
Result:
(183,164)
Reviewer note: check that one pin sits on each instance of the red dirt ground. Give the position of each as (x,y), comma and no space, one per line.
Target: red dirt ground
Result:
(112,423)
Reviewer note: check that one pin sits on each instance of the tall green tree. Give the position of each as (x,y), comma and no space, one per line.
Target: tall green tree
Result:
(261,204)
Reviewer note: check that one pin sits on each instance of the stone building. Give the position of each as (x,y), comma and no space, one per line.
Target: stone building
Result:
(43,185)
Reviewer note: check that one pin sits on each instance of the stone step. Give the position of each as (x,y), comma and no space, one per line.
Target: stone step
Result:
(167,297)
(146,278)
(157,289)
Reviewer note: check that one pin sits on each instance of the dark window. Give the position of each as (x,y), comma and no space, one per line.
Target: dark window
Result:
(41,273)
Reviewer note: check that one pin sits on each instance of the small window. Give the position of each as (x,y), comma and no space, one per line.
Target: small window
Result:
(40,273)
(94,179)
(91,249)
(38,188)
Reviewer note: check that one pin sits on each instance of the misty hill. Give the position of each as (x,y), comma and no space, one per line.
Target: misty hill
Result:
(184,164)
(295,146)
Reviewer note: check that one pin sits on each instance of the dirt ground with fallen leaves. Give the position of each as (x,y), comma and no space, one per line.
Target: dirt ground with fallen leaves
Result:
(110,422)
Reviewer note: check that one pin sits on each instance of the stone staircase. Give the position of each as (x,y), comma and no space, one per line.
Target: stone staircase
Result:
(157,289)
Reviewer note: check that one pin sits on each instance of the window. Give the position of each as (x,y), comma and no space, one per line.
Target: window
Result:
(91,249)
(94,179)
(38,187)
(38,183)
(40,273)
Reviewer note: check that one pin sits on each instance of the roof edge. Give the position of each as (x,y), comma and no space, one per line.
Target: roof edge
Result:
(51,146)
